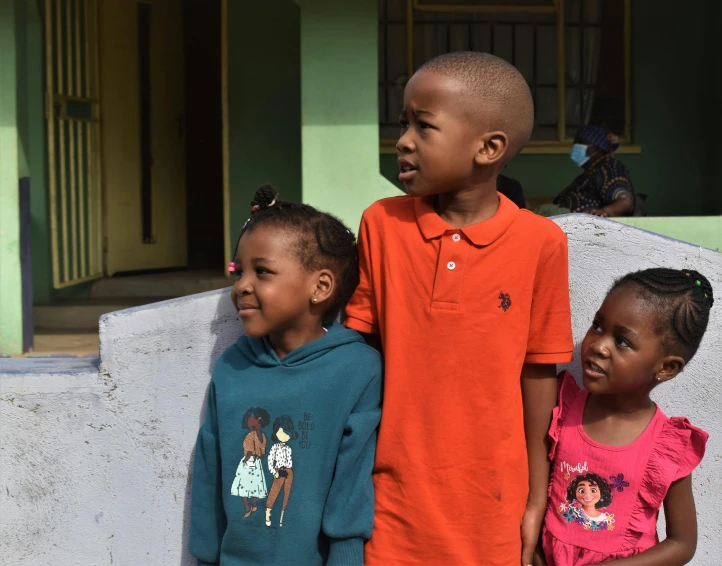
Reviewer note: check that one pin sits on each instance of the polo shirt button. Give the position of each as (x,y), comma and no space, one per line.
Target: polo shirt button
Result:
(456,237)
(451,265)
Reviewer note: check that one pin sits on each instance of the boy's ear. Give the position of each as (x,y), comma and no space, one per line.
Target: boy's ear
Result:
(670,367)
(494,147)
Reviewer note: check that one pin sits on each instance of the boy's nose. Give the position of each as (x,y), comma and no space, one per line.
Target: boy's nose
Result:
(404,145)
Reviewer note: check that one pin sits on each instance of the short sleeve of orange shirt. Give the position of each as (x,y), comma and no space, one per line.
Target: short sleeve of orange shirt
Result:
(459,311)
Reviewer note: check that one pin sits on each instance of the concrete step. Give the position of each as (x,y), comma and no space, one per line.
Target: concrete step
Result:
(83,314)
(172,284)
(64,343)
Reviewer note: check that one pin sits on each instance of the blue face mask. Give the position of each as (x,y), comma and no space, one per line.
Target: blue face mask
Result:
(579,154)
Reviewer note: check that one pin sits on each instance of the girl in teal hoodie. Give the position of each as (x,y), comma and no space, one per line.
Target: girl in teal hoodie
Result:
(313,382)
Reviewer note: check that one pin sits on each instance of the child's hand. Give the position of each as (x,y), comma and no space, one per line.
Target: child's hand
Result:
(530,529)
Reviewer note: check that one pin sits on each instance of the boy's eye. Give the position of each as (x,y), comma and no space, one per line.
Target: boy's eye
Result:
(424,125)
(403,124)
(596,326)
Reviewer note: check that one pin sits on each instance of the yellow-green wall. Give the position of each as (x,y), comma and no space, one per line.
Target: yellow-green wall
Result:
(339,107)
(264,102)
(313,134)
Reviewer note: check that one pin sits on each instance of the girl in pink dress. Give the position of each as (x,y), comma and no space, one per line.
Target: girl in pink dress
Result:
(616,457)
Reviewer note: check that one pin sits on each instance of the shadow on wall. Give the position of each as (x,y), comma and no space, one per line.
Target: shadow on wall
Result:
(224,321)
(172,348)
(114,448)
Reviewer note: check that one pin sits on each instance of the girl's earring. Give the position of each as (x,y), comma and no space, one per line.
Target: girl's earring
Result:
(314,299)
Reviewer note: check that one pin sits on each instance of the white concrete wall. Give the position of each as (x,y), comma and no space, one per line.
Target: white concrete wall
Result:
(94,464)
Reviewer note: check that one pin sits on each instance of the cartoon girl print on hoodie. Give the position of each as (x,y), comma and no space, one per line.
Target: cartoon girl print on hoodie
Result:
(280,464)
(250,481)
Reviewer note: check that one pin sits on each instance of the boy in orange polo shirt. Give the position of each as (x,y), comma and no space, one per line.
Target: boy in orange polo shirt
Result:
(468,298)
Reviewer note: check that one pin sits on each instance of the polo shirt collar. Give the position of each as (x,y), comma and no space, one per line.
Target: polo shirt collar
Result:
(480,234)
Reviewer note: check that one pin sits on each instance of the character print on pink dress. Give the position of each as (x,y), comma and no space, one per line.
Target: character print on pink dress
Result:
(587,495)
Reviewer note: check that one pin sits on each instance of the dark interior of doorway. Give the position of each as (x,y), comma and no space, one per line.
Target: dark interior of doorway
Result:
(203,135)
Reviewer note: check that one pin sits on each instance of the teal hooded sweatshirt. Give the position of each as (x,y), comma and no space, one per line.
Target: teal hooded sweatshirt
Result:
(296,436)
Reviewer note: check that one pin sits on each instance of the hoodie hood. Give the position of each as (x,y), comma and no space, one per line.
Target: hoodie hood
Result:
(260,352)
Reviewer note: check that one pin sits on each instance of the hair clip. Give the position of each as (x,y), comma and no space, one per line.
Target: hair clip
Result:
(256,207)
(698,282)
(231,267)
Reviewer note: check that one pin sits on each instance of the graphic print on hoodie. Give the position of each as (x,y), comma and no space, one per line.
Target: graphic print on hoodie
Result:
(282,470)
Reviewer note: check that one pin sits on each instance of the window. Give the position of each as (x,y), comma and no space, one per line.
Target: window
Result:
(578,76)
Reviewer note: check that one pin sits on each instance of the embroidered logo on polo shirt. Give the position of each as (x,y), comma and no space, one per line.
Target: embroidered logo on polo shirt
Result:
(505,301)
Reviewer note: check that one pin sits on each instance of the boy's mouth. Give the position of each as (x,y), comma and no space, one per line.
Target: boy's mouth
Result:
(407,170)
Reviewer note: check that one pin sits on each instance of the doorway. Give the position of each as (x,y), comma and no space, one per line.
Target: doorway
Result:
(161,135)
(203,139)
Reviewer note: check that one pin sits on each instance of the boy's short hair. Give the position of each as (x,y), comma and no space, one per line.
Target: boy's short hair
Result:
(497,93)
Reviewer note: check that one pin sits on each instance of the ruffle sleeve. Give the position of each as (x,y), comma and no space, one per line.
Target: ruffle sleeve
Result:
(695,446)
(568,390)
(678,449)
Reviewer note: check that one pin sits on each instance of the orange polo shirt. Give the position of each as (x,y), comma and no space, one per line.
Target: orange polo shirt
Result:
(459,311)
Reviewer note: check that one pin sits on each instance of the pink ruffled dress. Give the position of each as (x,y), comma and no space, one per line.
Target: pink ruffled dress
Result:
(604,500)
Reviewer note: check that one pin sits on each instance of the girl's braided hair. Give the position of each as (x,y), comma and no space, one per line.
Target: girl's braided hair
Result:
(681,301)
(323,242)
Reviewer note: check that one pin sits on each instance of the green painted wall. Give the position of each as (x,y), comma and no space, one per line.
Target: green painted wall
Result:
(704,231)
(339,107)
(264,94)
(676,115)
(10,282)
(32,74)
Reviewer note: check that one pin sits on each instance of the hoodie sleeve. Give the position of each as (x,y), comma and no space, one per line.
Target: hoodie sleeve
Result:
(348,516)
(208,518)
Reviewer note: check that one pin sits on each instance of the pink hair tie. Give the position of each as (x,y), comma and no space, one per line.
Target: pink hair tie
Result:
(255,208)
(231,267)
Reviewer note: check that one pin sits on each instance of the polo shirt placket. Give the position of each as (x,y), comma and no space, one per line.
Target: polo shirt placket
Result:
(450,269)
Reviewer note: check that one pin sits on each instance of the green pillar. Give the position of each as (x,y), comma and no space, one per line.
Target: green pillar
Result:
(339,107)
(11,323)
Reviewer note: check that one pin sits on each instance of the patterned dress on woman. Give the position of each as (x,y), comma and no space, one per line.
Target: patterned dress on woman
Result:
(606,180)
(250,480)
